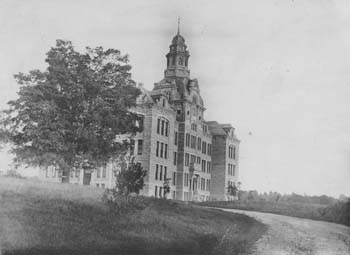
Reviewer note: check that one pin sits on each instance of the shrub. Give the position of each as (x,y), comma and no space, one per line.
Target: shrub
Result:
(123,204)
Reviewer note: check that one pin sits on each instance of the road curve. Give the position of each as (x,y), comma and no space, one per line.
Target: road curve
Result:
(290,235)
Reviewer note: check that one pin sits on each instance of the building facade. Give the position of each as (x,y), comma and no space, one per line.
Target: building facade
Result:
(197,159)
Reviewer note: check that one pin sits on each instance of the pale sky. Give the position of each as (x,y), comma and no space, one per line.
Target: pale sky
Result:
(276,68)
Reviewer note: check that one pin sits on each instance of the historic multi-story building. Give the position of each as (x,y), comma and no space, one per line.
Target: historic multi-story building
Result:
(197,159)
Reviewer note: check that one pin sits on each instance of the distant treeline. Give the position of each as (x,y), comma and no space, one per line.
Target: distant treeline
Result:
(287,198)
(312,207)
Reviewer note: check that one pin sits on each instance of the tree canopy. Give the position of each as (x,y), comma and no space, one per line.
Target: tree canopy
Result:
(70,114)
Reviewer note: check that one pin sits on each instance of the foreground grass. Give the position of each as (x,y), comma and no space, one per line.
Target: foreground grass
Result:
(337,212)
(42,218)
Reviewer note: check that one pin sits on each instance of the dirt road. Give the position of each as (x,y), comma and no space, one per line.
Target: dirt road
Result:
(289,235)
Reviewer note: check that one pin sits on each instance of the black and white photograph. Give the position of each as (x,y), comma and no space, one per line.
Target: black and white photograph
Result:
(175,127)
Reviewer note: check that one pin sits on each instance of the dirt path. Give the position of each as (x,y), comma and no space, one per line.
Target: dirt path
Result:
(289,235)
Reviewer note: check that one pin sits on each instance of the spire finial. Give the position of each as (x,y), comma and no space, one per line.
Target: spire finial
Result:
(178,25)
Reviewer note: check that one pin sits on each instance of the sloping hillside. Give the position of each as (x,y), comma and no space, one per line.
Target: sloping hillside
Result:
(43,218)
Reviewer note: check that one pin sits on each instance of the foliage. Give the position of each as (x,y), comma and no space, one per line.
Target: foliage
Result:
(291,205)
(253,195)
(121,204)
(232,190)
(70,113)
(130,179)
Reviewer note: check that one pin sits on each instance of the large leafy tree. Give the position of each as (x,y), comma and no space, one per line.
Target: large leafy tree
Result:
(70,114)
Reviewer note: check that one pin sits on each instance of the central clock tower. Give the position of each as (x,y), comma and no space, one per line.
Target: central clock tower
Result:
(177,59)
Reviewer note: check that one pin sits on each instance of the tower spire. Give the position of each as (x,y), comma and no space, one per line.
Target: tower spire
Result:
(178,25)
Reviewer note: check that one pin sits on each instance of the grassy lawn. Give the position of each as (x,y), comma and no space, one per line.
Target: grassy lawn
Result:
(42,218)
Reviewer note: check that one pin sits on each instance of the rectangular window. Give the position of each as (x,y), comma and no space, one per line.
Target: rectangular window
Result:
(157,149)
(176,138)
(158,126)
(203,165)
(187,140)
(139,146)
(208,167)
(204,147)
(98,172)
(198,160)
(209,149)
(163,122)
(187,159)
(161,149)
(166,128)
(103,185)
(161,172)
(193,142)
(165,173)
(193,159)
(104,172)
(234,153)
(165,151)
(233,170)
(155,191)
(174,178)
(199,143)
(228,169)
(157,166)
(77,172)
(175,158)
(160,191)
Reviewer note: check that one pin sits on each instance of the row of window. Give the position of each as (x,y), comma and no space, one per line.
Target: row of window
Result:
(206,165)
(162,150)
(98,172)
(139,146)
(231,184)
(232,152)
(159,191)
(52,172)
(204,184)
(196,143)
(231,169)
(161,172)
(162,126)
